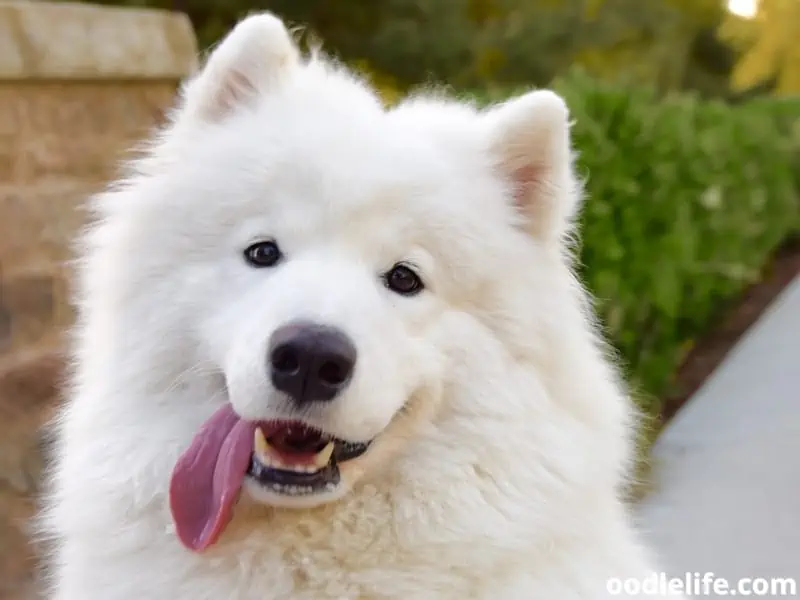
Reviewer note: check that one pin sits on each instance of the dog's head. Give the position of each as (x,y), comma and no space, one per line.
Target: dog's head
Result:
(339,268)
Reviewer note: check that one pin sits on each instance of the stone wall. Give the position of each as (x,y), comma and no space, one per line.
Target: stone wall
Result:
(78,85)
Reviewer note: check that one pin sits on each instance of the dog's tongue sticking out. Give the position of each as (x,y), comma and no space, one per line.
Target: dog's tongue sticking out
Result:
(207,478)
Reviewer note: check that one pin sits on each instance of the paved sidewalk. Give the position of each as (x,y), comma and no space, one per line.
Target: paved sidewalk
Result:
(726,494)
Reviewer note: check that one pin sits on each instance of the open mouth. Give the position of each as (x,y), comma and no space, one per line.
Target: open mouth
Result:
(283,458)
(294,458)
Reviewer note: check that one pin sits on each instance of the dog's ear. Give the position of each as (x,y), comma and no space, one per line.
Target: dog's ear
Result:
(530,146)
(247,62)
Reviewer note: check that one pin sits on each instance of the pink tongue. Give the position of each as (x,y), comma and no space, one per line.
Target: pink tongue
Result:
(207,478)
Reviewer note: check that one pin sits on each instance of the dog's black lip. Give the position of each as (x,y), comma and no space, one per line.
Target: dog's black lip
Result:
(344,451)
(313,482)
(317,482)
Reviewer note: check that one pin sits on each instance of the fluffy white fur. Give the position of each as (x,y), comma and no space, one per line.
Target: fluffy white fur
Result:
(503,435)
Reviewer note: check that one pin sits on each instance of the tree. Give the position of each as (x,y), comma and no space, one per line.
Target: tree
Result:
(768,46)
(651,42)
(478,44)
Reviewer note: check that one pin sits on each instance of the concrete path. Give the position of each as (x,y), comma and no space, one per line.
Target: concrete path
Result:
(727,468)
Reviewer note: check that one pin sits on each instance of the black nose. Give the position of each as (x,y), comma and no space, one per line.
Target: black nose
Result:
(310,362)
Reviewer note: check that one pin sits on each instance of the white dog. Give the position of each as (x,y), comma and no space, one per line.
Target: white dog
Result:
(327,349)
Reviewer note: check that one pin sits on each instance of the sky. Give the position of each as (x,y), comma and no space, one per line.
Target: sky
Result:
(743,8)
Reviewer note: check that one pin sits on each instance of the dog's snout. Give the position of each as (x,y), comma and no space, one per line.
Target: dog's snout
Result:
(311,362)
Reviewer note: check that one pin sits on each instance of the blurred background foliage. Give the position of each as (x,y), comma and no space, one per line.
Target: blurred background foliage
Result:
(669,44)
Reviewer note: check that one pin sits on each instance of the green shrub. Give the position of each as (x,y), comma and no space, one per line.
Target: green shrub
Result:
(686,201)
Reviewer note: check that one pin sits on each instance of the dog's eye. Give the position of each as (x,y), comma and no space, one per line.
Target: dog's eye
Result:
(263,254)
(403,280)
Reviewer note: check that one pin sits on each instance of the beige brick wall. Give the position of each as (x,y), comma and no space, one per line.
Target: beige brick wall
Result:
(78,85)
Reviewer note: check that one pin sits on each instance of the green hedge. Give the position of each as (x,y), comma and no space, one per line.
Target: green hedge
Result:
(687,199)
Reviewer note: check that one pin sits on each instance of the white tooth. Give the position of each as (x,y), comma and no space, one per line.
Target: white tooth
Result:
(261,446)
(277,463)
(324,456)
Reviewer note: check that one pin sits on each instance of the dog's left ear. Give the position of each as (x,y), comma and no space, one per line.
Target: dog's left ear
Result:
(248,62)
(530,145)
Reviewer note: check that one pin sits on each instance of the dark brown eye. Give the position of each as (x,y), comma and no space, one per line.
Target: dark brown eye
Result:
(403,280)
(263,254)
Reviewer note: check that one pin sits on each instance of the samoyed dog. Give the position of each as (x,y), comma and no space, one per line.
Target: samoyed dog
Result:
(331,350)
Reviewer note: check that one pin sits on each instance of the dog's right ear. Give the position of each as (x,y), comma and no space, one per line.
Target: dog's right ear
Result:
(530,143)
(246,63)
